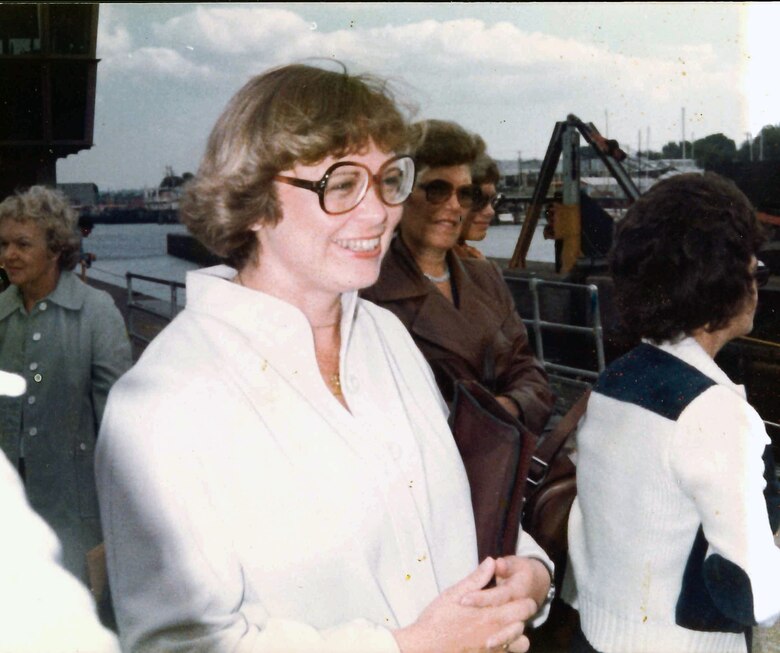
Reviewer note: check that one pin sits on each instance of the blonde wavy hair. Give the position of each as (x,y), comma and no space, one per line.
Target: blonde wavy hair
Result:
(293,114)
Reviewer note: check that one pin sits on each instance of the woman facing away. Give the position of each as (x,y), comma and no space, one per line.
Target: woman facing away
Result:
(276,473)
(670,541)
(459,311)
(69,342)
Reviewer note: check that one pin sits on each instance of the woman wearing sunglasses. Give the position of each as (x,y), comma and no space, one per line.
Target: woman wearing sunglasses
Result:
(459,311)
(276,473)
(484,176)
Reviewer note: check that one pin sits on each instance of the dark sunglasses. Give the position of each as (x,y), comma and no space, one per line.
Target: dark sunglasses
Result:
(481,200)
(345,184)
(438,191)
(761,274)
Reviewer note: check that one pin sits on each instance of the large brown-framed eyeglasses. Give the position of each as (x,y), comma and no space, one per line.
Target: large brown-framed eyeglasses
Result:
(345,184)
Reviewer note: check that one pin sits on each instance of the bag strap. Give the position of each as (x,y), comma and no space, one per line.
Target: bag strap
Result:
(489,369)
(551,444)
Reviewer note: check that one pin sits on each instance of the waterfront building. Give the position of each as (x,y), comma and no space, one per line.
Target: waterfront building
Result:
(47,88)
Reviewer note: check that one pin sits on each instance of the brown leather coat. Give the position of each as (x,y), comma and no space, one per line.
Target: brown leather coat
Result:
(484,331)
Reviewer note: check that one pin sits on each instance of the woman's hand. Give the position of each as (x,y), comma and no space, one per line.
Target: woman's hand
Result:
(517,580)
(451,623)
(509,405)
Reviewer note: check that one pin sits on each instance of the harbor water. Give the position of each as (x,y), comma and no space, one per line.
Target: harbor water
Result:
(142,249)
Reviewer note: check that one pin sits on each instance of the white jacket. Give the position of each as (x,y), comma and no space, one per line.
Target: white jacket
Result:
(669,537)
(245,509)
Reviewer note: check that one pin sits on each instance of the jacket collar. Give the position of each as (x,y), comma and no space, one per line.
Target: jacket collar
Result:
(436,321)
(690,351)
(262,318)
(69,293)
(401,277)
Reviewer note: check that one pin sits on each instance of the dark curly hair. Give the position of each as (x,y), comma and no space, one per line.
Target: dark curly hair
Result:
(682,255)
(293,114)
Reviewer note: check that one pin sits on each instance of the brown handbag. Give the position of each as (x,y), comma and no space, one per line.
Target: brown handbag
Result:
(552,486)
(496,450)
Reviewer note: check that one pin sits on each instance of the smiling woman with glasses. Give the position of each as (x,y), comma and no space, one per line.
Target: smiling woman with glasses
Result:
(459,311)
(276,473)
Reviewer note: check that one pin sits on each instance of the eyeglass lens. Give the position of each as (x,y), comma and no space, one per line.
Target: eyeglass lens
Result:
(761,274)
(482,200)
(439,191)
(347,183)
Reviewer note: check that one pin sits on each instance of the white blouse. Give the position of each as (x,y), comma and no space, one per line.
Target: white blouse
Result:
(244,508)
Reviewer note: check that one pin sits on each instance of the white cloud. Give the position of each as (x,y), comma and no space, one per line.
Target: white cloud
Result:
(234,30)
(113,38)
(456,53)
(156,62)
(760,63)
(509,77)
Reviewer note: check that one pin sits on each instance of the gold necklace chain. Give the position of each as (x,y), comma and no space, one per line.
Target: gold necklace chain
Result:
(335,378)
(335,385)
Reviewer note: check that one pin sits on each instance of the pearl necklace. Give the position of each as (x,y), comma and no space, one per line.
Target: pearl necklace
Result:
(444,277)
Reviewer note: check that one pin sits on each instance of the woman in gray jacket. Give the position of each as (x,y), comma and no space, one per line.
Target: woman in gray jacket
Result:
(69,342)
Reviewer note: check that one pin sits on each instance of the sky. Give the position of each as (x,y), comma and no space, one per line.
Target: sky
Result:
(506,70)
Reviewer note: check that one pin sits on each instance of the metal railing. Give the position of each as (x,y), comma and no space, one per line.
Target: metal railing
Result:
(537,324)
(147,305)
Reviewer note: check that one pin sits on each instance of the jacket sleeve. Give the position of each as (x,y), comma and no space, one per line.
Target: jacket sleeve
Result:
(717,456)
(528,548)
(111,354)
(44,607)
(520,375)
(176,578)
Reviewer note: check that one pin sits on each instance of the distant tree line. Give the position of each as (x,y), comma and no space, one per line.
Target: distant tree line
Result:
(715,151)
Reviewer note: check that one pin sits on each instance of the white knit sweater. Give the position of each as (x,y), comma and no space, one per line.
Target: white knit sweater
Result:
(670,454)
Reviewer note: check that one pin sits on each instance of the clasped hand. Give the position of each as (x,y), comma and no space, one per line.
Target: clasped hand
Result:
(470,617)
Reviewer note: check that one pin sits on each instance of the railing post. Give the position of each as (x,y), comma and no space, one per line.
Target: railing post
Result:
(598,330)
(534,287)
(593,327)
(133,306)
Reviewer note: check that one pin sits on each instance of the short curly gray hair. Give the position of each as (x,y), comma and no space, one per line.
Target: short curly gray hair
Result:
(288,115)
(51,210)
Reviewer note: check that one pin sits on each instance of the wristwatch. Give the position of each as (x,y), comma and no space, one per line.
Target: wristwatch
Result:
(550,592)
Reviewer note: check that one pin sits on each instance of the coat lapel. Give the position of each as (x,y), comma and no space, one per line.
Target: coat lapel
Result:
(437,321)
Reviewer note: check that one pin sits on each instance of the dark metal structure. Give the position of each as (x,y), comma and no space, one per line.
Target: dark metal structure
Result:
(47,88)
(564,141)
